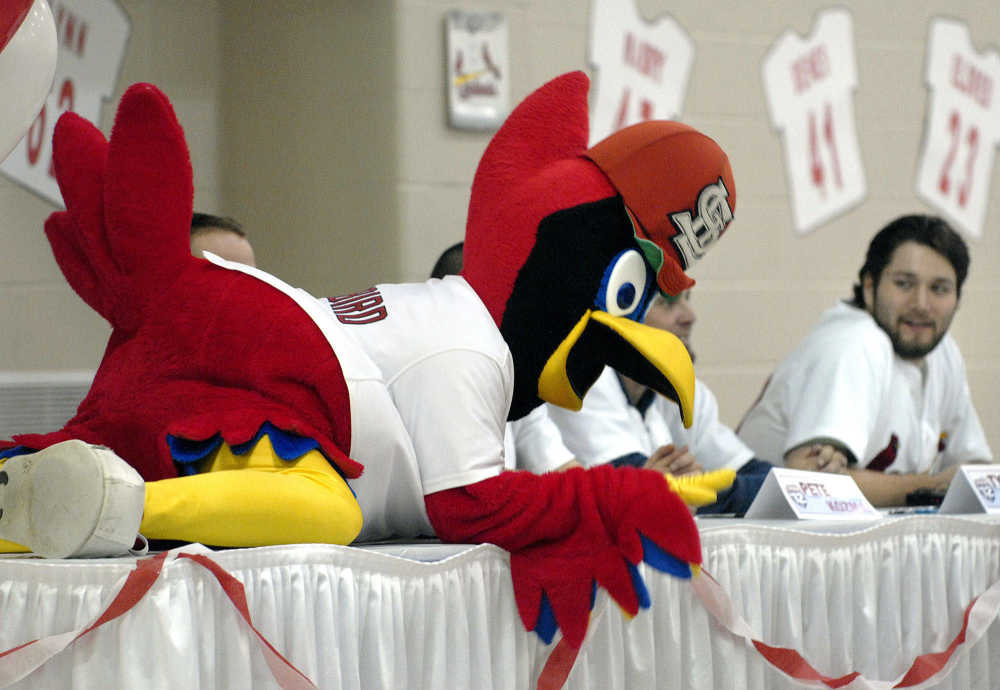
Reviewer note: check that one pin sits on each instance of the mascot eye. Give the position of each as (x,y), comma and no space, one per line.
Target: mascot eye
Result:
(625,286)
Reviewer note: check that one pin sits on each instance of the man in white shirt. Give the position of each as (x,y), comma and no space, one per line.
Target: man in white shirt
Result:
(623,422)
(533,443)
(879,386)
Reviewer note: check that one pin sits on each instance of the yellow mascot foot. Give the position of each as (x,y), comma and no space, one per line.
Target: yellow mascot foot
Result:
(701,489)
(11,547)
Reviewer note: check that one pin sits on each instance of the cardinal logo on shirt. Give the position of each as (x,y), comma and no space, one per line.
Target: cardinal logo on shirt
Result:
(943,441)
(886,456)
(795,494)
(986,490)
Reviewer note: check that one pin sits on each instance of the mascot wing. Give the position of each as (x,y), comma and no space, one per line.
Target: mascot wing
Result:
(199,355)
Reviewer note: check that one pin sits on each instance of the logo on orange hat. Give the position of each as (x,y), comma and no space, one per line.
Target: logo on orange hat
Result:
(665,171)
(700,232)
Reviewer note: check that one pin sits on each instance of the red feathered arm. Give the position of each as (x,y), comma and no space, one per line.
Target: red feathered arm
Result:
(124,236)
(569,531)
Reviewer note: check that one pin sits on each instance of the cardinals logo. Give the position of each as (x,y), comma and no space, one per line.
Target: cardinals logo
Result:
(986,490)
(699,233)
(796,495)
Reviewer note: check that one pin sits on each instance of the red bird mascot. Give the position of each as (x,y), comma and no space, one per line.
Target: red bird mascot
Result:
(248,408)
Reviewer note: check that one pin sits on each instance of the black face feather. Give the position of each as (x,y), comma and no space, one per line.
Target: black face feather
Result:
(604,346)
(556,286)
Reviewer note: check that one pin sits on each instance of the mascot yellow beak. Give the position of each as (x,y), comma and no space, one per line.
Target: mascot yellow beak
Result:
(651,356)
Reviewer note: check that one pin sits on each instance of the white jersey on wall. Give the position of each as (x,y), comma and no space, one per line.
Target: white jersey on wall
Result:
(642,67)
(809,85)
(92,37)
(609,427)
(845,382)
(963,126)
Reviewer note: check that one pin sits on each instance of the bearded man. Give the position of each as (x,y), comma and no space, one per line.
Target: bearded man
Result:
(878,388)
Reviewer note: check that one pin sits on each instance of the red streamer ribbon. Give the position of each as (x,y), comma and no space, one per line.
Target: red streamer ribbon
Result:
(557,666)
(926,668)
(18,662)
(289,677)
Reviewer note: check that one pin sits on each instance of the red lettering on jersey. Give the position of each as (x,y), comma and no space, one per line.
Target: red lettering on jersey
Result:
(71,29)
(972,81)
(81,39)
(359,308)
(363,304)
(365,317)
(810,68)
(353,297)
(645,57)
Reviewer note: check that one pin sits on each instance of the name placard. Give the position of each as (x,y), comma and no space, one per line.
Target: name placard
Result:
(798,495)
(973,489)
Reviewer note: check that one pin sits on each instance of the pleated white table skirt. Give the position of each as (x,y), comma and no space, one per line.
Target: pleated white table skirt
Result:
(848,598)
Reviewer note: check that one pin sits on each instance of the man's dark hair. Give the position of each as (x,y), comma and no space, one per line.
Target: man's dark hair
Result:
(930,231)
(201,221)
(450,262)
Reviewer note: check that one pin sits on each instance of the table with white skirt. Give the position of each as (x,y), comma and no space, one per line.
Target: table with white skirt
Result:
(866,598)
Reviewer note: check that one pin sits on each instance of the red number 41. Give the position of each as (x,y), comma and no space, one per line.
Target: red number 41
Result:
(816,168)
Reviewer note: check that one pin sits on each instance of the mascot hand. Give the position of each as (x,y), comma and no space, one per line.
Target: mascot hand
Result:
(701,489)
(570,532)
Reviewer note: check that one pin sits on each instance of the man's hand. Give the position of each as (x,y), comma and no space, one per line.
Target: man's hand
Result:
(885,490)
(816,457)
(942,479)
(672,460)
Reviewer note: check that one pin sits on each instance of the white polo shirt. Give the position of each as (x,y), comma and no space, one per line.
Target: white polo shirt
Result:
(845,382)
(533,443)
(609,427)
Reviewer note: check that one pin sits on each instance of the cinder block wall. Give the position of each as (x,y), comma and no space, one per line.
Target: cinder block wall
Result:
(759,290)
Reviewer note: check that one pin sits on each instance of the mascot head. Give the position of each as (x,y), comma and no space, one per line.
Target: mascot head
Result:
(27,64)
(567,245)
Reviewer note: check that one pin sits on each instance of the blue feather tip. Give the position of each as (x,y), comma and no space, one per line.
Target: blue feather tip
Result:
(188,453)
(663,561)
